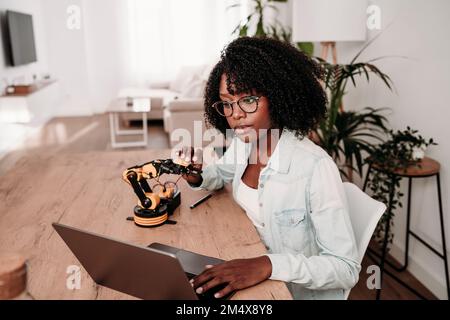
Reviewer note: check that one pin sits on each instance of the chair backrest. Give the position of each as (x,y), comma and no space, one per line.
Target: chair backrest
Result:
(365,213)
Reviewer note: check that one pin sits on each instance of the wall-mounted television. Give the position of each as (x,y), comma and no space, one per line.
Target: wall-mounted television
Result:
(21,38)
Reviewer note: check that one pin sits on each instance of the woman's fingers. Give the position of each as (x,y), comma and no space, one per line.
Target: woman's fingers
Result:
(224,292)
(209,279)
(187,156)
(197,156)
(183,152)
(203,277)
(214,282)
(190,154)
(193,155)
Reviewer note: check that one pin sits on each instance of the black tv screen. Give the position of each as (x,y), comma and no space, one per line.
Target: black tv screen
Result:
(21,37)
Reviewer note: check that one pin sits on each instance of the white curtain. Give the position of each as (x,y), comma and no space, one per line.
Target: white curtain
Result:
(163,35)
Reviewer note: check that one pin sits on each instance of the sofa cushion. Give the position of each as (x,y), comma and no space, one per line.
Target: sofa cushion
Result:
(194,89)
(185,76)
(186,104)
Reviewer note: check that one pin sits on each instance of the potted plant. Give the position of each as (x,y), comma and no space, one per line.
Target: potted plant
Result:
(346,134)
(351,137)
(264,29)
(401,150)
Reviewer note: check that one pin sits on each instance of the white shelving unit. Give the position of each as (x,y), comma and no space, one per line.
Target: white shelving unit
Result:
(37,106)
(24,115)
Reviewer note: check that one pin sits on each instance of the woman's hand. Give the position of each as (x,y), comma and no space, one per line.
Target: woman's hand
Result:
(188,156)
(237,274)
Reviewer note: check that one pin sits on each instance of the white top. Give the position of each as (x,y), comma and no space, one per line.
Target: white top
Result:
(247,198)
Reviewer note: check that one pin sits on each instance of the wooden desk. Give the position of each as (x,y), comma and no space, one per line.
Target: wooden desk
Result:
(86,191)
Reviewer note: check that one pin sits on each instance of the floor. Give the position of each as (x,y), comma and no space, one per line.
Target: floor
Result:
(77,134)
(392,290)
(83,134)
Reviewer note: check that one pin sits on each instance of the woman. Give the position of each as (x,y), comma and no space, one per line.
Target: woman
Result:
(268,93)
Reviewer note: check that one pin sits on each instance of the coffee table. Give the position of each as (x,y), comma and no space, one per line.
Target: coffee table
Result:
(128,105)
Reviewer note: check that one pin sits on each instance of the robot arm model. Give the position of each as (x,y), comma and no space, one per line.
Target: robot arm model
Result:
(154,207)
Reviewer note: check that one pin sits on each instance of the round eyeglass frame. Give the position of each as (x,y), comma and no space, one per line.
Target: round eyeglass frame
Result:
(238,102)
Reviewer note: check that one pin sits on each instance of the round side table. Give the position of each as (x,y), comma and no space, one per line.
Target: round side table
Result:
(428,168)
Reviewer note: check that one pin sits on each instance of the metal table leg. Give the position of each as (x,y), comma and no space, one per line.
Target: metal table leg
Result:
(409,233)
(444,247)
(116,131)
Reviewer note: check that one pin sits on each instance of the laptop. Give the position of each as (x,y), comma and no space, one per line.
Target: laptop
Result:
(156,272)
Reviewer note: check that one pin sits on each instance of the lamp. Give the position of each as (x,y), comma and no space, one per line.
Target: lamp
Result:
(328,21)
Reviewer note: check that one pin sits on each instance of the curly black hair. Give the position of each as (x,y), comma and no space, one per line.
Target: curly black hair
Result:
(277,70)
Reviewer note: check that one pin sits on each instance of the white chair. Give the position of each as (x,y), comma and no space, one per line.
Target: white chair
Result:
(365,213)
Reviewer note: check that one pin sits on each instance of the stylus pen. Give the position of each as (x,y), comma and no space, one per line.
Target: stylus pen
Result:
(201,200)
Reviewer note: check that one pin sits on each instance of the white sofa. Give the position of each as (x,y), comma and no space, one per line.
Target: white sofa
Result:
(184,114)
(178,103)
(160,97)
(188,84)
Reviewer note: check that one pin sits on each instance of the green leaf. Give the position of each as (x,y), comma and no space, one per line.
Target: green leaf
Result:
(364,47)
(260,29)
(243,31)
(306,47)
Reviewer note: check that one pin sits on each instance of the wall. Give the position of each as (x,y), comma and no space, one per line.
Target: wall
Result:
(67,59)
(104,20)
(84,62)
(417,30)
(61,52)
(13,135)
(25,73)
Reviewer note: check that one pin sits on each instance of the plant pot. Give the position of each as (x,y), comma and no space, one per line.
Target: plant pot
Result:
(418,153)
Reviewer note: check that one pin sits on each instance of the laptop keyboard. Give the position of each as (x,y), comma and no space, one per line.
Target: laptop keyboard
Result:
(209,295)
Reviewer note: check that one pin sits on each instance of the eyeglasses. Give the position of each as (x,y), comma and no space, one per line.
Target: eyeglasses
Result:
(248,104)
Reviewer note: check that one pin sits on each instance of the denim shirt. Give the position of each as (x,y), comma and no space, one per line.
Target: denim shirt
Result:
(306,226)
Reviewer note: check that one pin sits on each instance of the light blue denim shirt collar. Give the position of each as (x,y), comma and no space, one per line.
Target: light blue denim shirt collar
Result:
(280,160)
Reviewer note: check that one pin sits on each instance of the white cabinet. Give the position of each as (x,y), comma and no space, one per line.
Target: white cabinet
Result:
(34,107)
